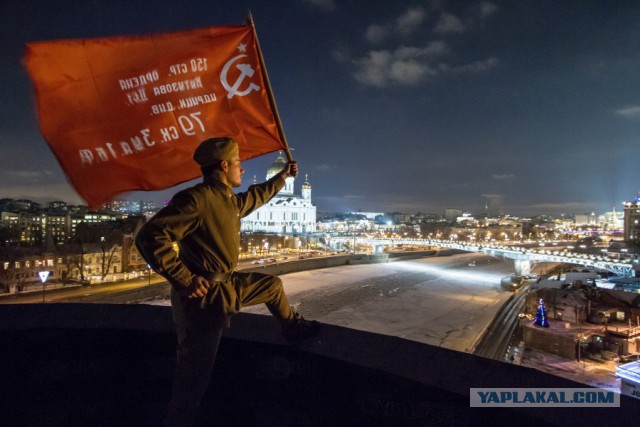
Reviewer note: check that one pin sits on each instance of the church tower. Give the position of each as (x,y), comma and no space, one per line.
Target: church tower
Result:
(306,188)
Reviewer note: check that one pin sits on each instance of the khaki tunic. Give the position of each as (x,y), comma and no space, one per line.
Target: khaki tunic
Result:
(205,222)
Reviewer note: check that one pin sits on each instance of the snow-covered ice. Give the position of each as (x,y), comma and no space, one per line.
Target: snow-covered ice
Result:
(440,301)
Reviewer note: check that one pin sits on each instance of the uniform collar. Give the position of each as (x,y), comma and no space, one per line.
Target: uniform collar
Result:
(218,185)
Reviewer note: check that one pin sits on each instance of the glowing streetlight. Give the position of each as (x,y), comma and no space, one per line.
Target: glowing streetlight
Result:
(43,278)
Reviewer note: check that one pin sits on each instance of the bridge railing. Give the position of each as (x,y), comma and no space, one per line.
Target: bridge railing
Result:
(512,252)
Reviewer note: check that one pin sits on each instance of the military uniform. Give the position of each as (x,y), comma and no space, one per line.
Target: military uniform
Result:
(205,222)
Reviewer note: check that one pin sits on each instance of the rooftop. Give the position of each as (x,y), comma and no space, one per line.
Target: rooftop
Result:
(108,364)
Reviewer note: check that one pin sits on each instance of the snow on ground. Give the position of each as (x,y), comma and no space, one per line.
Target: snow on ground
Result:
(595,374)
(441,301)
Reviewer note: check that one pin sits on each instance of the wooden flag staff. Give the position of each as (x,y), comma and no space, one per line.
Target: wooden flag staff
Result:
(272,99)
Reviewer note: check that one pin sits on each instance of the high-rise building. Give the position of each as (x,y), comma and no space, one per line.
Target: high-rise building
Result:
(586,219)
(452,214)
(632,221)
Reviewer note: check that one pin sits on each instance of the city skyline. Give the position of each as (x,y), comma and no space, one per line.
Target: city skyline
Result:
(132,207)
(415,106)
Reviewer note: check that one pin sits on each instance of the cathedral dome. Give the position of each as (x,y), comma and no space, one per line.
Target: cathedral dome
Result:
(306,185)
(277,166)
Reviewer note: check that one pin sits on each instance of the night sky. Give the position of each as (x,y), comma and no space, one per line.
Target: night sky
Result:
(527,107)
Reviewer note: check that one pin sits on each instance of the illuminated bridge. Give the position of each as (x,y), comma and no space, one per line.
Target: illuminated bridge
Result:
(523,257)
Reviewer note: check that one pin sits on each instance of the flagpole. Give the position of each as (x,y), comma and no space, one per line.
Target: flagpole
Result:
(272,99)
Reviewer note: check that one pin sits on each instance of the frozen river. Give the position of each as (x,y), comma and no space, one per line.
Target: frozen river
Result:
(442,301)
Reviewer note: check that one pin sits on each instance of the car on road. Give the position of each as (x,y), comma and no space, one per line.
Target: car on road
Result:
(261,261)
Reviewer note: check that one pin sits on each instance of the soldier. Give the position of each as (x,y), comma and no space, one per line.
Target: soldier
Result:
(206,290)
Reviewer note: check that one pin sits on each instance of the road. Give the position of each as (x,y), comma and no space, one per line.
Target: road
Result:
(91,293)
(77,293)
(445,301)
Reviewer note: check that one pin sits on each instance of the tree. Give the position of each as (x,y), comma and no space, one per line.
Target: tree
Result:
(108,248)
(73,258)
(101,239)
(8,258)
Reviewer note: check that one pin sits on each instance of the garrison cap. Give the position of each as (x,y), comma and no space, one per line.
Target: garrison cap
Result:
(213,150)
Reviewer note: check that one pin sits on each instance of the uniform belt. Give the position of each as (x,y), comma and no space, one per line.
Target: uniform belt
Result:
(217,276)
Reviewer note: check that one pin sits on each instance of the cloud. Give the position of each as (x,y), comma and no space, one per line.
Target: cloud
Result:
(432,49)
(487,9)
(472,68)
(404,66)
(556,208)
(328,5)
(23,174)
(503,176)
(42,193)
(631,111)
(340,54)
(410,65)
(410,21)
(492,196)
(449,24)
(32,176)
(376,33)
(405,25)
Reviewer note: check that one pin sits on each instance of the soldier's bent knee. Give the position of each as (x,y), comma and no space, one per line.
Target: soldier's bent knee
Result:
(277,282)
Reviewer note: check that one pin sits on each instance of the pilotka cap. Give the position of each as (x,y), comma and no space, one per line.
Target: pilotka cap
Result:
(213,150)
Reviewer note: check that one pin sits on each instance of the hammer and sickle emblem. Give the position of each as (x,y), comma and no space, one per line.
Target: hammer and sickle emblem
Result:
(245,71)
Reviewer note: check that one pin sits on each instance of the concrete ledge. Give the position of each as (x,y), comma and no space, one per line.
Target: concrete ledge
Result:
(295,265)
(81,364)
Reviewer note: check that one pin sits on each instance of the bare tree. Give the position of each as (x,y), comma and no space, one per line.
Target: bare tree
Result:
(8,274)
(74,258)
(108,251)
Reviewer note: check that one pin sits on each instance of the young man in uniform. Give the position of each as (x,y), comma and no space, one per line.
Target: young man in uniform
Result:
(206,290)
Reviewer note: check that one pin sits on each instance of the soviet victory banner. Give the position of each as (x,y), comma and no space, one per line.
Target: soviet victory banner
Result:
(126,113)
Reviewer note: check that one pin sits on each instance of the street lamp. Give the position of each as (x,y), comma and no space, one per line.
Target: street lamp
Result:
(43,278)
(353,230)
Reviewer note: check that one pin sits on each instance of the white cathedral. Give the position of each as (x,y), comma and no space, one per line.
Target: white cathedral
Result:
(285,213)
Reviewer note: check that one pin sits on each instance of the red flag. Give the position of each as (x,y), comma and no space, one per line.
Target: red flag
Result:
(126,113)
